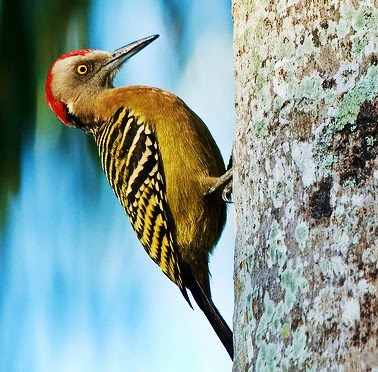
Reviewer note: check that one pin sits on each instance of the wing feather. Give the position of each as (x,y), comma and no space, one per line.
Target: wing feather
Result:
(131,159)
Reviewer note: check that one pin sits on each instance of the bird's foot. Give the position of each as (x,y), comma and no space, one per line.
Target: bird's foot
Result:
(224,182)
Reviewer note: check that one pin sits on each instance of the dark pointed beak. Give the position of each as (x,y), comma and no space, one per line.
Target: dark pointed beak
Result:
(122,54)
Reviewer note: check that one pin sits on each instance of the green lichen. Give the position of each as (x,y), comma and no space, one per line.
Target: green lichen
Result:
(289,279)
(272,254)
(261,357)
(342,28)
(272,357)
(358,43)
(312,369)
(309,87)
(276,251)
(337,233)
(368,256)
(286,48)
(281,256)
(279,313)
(255,292)
(260,127)
(326,163)
(306,51)
(273,232)
(308,92)
(269,307)
(262,327)
(277,318)
(347,11)
(285,330)
(277,103)
(338,267)
(370,141)
(351,103)
(254,60)
(301,235)
(268,358)
(276,325)
(281,5)
(364,19)
(324,266)
(332,268)
(297,351)
(289,301)
(349,183)
(277,191)
(289,188)
(285,365)
(292,280)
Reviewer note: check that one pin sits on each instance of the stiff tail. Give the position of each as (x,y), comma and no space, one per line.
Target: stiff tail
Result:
(214,317)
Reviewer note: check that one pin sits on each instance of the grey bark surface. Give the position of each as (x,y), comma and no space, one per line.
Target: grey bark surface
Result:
(305,185)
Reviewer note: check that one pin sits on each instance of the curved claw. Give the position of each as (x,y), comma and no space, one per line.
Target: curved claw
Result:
(225,182)
(227,193)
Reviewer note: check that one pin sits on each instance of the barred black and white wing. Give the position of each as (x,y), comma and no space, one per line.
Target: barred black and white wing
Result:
(132,163)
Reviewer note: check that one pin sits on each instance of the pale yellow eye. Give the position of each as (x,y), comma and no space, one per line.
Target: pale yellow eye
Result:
(82,69)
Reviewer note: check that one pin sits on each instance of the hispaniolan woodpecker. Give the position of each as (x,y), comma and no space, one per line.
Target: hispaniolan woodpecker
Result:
(159,158)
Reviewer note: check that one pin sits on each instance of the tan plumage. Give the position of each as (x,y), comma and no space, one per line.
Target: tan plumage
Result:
(160,160)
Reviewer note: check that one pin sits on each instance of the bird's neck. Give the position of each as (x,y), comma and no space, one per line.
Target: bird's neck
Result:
(89,114)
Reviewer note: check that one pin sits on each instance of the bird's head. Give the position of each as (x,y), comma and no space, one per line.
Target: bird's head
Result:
(76,77)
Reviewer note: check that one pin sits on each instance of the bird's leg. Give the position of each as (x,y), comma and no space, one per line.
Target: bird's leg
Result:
(224,182)
(227,192)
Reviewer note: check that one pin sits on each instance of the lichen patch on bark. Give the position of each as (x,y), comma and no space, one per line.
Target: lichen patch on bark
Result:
(305,185)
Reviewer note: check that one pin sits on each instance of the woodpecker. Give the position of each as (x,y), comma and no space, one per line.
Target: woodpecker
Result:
(159,158)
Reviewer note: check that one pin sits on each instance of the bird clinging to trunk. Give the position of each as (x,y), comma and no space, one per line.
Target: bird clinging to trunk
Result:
(159,158)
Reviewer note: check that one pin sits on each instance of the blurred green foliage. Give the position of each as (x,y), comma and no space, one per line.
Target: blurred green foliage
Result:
(32,35)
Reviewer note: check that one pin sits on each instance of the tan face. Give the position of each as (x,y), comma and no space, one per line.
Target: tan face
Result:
(80,77)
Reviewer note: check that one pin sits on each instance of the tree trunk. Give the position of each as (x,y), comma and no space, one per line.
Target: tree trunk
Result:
(305,185)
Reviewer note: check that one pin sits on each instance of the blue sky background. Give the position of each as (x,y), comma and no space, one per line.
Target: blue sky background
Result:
(77,290)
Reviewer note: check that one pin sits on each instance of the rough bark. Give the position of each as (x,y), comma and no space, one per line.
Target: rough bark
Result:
(305,185)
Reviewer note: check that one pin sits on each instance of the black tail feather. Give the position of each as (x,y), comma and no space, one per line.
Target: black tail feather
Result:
(214,317)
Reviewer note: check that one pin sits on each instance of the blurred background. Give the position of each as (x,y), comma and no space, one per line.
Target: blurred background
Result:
(77,290)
